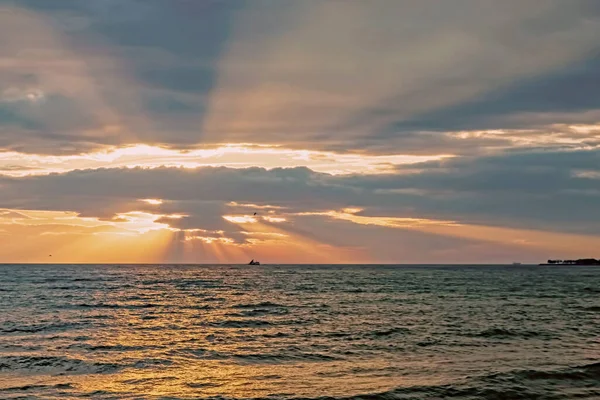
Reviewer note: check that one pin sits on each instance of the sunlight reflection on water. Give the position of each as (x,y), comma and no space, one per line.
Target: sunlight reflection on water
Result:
(252,332)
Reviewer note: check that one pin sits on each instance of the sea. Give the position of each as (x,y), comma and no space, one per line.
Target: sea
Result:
(325,332)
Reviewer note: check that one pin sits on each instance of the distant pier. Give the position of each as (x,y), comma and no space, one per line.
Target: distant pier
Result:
(581,261)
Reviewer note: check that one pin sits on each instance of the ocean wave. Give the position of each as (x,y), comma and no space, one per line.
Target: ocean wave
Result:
(240,323)
(275,335)
(196,307)
(581,382)
(117,347)
(389,332)
(128,306)
(283,357)
(503,333)
(382,333)
(63,287)
(354,290)
(102,394)
(413,393)
(49,364)
(36,328)
(89,280)
(203,354)
(25,388)
(591,289)
(263,304)
(255,312)
(513,385)
(214,298)
(201,385)
(591,308)
(205,284)
(20,348)
(279,357)
(95,305)
(428,342)
(583,372)
(152,380)
(196,282)
(270,341)
(336,334)
(151,362)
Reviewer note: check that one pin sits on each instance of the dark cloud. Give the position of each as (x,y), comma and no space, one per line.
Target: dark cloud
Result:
(305,74)
(573,90)
(130,65)
(514,189)
(546,190)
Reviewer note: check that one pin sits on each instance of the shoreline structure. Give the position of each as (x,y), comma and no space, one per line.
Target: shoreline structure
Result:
(581,261)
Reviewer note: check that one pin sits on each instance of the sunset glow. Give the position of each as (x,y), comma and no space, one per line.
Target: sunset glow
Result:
(231,156)
(298,141)
(154,202)
(240,219)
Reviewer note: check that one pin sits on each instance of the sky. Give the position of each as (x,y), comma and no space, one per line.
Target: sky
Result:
(382,131)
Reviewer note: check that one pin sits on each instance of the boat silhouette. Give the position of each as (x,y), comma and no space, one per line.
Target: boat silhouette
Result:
(252,262)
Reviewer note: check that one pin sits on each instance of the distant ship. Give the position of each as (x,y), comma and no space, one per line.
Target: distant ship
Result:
(516,263)
(254,262)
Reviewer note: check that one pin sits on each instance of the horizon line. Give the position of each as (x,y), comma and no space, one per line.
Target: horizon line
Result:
(281,264)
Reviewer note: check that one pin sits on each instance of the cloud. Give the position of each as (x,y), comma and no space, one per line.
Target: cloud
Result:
(234,156)
(564,96)
(545,190)
(309,75)
(50,101)
(518,205)
(323,71)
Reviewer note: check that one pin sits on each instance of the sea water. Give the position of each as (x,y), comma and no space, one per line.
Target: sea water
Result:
(304,331)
